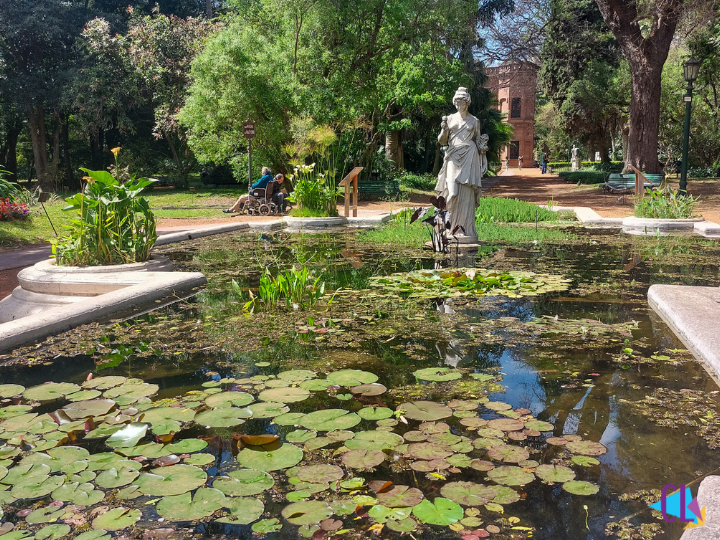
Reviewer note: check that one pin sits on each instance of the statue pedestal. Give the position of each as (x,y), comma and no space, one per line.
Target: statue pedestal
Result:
(575,164)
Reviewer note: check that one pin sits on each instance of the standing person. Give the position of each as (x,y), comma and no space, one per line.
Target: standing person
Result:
(543,162)
(507,163)
(520,160)
(242,201)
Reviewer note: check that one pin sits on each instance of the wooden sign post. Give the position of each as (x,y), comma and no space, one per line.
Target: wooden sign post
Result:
(350,182)
(249,134)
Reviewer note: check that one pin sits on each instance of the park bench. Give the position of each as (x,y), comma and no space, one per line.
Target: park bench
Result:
(624,183)
(379,187)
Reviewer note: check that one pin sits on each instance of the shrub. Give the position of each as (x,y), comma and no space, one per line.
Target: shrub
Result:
(665,204)
(500,210)
(423,182)
(702,172)
(114,226)
(313,192)
(585,177)
(11,210)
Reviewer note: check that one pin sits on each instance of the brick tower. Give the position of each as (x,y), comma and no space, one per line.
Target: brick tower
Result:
(514,86)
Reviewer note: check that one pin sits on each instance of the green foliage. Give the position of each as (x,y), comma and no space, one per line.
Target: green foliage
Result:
(665,204)
(313,191)
(114,225)
(585,177)
(703,172)
(500,210)
(296,286)
(423,182)
(8,190)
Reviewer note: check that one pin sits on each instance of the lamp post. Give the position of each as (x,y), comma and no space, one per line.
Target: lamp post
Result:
(691,69)
(249,134)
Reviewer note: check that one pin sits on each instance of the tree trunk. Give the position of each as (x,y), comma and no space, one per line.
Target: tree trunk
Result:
(36,123)
(393,148)
(70,180)
(645,117)
(209,8)
(8,150)
(54,162)
(176,159)
(96,150)
(625,136)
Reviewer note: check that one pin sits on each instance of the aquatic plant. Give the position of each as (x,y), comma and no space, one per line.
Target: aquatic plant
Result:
(665,204)
(295,285)
(112,453)
(114,225)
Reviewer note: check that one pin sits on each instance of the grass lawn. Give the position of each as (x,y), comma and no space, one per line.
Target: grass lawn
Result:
(37,229)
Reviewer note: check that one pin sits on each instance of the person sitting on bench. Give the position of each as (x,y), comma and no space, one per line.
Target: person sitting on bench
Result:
(262,183)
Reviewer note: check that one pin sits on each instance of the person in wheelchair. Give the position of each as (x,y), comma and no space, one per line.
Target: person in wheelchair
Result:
(241,204)
(277,193)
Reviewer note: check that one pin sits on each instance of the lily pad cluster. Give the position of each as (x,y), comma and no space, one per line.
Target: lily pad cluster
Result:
(469,281)
(471,456)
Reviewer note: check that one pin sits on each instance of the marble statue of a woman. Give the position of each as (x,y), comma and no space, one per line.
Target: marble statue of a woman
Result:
(460,179)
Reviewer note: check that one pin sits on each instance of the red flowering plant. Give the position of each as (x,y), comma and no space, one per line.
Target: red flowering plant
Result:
(10,208)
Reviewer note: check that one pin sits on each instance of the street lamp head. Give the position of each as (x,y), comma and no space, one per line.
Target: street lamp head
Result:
(691,68)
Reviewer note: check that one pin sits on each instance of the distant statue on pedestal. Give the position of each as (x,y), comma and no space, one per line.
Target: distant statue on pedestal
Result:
(460,179)
(575,162)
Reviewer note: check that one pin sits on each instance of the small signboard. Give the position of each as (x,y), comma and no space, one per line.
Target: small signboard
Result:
(249,129)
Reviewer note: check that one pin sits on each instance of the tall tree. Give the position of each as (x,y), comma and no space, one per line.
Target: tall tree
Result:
(644,31)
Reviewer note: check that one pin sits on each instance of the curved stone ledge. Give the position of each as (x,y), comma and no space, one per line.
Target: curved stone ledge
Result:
(651,227)
(302,224)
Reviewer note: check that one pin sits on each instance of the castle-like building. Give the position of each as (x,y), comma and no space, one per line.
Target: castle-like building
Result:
(514,85)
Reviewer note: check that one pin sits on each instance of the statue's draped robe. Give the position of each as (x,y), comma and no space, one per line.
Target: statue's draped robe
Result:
(464,166)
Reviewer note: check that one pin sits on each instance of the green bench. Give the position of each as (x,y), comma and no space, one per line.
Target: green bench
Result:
(620,183)
(378,187)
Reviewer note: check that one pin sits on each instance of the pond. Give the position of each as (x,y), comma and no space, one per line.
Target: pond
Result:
(554,407)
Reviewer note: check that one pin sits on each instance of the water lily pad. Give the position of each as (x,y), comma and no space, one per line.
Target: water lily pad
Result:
(300,435)
(82,494)
(374,440)
(459,460)
(114,478)
(510,476)
(375,413)
(116,519)
(102,461)
(330,420)
(36,487)
(50,391)
(199,459)
(316,443)
(497,406)
(186,446)
(400,496)
(554,473)
(578,487)
(284,395)
(505,495)
(272,458)
(103,431)
(468,493)
(128,436)
(187,507)
(320,474)
(84,395)
(351,377)
(402,526)
(19,534)
(45,514)
(289,419)
(104,383)
(430,466)
(244,482)
(30,467)
(586,448)
(172,480)
(427,450)
(463,404)
(243,510)
(506,424)
(223,417)
(159,415)
(369,390)
(11,390)
(585,461)
(538,425)
(87,409)
(425,410)
(442,374)
(93,535)
(307,512)
(267,409)
(267,526)
(229,399)
(14,410)
(316,385)
(382,514)
(508,454)
(363,459)
(296,375)
(53,532)
(440,512)
(132,392)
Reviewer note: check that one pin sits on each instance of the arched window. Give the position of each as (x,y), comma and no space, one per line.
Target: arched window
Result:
(515,108)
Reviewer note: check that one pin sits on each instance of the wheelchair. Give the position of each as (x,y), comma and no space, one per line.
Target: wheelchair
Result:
(258,204)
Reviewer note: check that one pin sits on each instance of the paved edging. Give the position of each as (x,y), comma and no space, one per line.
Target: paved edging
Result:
(155,287)
(709,499)
(691,313)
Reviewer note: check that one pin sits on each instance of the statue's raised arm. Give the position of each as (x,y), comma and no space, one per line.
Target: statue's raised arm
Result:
(460,179)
